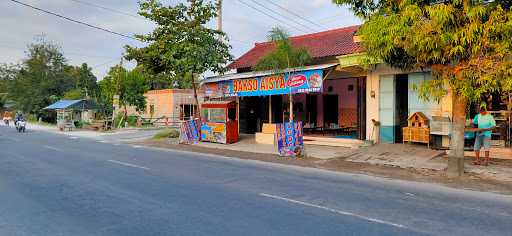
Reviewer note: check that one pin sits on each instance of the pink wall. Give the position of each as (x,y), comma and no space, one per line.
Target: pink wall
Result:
(347,100)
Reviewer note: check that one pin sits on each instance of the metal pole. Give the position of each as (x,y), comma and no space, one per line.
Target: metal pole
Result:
(291,107)
(270,109)
(238,113)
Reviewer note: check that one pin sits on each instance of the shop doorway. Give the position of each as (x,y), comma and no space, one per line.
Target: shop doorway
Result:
(401,106)
(311,109)
(361,107)
(393,109)
(330,110)
(253,113)
(277,109)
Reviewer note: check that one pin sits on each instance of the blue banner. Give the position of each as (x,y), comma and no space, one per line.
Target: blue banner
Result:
(189,132)
(297,82)
(290,139)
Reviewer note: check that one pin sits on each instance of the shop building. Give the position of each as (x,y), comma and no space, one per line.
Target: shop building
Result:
(348,104)
(330,102)
(170,104)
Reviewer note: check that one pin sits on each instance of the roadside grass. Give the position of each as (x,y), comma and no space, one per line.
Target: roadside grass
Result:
(167,133)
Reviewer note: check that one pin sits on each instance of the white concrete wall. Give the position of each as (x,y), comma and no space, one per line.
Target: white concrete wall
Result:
(444,108)
(372,103)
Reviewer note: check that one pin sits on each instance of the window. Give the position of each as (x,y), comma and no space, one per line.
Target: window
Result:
(216,115)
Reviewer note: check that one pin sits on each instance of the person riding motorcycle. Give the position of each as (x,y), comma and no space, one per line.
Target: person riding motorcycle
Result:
(18,117)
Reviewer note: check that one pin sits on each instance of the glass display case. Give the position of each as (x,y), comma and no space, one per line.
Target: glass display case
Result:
(219,122)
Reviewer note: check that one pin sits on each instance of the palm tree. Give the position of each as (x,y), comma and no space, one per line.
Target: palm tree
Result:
(284,56)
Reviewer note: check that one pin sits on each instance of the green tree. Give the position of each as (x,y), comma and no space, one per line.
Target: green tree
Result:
(135,87)
(284,56)
(3,100)
(7,74)
(74,94)
(466,45)
(107,90)
(129,85)
(41,79)
(84,79)
(181,44)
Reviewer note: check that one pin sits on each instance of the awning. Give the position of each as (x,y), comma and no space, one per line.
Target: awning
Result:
(254,74)
(307,79)
(73,104)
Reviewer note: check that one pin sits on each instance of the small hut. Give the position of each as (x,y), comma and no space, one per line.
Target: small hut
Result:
(70,112)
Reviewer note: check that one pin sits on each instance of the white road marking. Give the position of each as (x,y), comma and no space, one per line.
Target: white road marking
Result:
(346,213)
(410,194)
(53,148)
(137,146)
(73,137)
(128,164)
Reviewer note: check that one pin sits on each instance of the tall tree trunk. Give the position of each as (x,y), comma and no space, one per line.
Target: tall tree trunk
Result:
(197,111)
(456,158)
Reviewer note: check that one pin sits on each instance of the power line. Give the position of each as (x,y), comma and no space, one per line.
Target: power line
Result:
(329,18)
(269,15)
(277,13)
(107,9)
(75,21)
(294,14)
(132,15)
(104,63)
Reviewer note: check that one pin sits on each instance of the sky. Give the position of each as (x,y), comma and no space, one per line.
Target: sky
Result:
(243,24)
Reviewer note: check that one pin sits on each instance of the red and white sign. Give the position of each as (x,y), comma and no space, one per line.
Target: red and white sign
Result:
(296,81)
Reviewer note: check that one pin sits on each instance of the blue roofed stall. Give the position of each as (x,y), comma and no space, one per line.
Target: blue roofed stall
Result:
(71,112)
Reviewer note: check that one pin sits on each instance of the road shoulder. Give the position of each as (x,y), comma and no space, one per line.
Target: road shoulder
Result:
(468,182)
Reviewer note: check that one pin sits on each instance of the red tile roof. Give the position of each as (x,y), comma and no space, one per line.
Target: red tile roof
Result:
(334,42)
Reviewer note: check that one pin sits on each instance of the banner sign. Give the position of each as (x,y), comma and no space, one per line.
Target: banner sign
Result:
(296,82)
(290,139)
(213,132)
(189,132)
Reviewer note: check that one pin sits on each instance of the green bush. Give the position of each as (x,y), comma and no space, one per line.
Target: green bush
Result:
(167,133)
(132,120)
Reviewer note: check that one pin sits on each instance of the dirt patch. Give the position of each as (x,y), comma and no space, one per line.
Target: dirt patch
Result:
(469,181)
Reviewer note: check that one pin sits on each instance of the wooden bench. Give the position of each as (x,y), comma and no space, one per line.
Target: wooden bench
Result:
(101,125)
(98,125)
(66,126)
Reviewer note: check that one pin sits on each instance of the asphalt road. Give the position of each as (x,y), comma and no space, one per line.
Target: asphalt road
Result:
(53,184)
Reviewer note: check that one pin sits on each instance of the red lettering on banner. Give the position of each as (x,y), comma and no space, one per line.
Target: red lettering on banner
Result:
(237,86)
(280,84)
(263,85)
(271,81)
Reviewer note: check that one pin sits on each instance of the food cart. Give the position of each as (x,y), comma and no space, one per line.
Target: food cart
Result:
(219,122)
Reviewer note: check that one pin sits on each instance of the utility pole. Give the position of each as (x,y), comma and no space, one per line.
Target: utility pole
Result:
(219,15)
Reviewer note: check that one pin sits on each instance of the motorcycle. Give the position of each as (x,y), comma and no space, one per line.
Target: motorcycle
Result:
(21,126)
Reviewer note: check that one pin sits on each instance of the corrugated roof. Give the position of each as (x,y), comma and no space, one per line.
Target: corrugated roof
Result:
(73,104)
(334,42)
(63,104)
